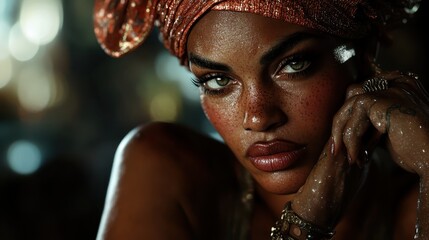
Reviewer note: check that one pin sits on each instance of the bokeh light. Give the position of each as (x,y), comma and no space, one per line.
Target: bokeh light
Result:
(413,8)
(2,7)
(164,107)
(5,71)
(4,34)
(41,20)
(34,88)
(24,157)
(168,68)
(19,46)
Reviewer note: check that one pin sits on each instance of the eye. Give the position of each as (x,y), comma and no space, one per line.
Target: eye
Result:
(212,84)
(293,65)
(217,83)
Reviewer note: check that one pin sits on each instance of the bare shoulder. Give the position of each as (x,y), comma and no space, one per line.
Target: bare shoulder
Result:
(176,149)
(166,176)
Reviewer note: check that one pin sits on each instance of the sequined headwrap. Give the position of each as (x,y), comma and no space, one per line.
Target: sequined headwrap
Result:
(122,25)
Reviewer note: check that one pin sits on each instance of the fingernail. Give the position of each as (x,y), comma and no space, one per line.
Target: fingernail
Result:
(332,146)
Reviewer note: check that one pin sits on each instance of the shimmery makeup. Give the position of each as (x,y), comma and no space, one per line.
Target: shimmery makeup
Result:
(343,53)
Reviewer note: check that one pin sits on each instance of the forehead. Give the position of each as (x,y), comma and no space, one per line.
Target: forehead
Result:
(220,31)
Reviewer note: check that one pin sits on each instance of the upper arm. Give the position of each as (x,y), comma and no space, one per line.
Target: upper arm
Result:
(142,191)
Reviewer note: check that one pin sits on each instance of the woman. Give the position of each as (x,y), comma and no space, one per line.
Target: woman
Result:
(292,89)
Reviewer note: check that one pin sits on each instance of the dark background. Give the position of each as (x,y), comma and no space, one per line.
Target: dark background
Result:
(93,101)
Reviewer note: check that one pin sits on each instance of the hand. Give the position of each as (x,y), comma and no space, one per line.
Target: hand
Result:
(329,188)
(400,114)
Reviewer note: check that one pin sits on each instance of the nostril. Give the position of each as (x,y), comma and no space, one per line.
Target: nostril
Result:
(262,110)
(266,120)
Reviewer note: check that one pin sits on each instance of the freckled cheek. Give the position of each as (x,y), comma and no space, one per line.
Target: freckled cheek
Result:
(223,116)
(318,106)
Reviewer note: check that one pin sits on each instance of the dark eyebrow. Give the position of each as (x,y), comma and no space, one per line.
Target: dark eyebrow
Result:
(205,63)
(285,45)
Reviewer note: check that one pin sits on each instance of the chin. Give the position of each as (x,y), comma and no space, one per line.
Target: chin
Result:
(284,182)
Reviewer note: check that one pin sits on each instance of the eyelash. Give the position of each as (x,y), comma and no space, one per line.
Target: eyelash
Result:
(296,59)
(200,81)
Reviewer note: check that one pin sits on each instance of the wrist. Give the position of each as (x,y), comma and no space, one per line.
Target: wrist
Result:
(325,217)
(290,226)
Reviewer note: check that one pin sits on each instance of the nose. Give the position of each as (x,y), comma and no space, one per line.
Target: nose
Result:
(262,109)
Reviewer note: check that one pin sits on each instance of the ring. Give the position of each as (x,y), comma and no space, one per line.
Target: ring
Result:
(375,84)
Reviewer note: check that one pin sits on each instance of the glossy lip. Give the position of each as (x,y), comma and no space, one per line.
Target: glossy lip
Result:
(274,155)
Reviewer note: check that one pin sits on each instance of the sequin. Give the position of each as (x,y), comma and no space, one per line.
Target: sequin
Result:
(122,25)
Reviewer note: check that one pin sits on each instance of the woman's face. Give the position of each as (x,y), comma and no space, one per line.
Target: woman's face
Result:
(270,89)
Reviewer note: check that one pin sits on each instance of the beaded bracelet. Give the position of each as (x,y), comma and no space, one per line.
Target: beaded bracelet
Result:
(292,227)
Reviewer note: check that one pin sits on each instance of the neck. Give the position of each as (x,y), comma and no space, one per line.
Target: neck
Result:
(274,203)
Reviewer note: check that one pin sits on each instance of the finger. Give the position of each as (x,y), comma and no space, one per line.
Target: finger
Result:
(338,124)
(355,130)
(409,82)
(352,127)
(354,90)
(351,121)
(398,84)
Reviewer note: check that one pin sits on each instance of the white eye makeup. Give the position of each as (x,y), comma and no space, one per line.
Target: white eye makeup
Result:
(344,53)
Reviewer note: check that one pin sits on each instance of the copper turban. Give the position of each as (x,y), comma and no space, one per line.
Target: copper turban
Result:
(122,25)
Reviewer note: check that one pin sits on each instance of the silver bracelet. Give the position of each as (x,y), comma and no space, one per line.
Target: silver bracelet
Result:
(291,227)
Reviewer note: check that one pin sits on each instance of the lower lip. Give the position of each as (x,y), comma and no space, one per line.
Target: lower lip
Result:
(276,162)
